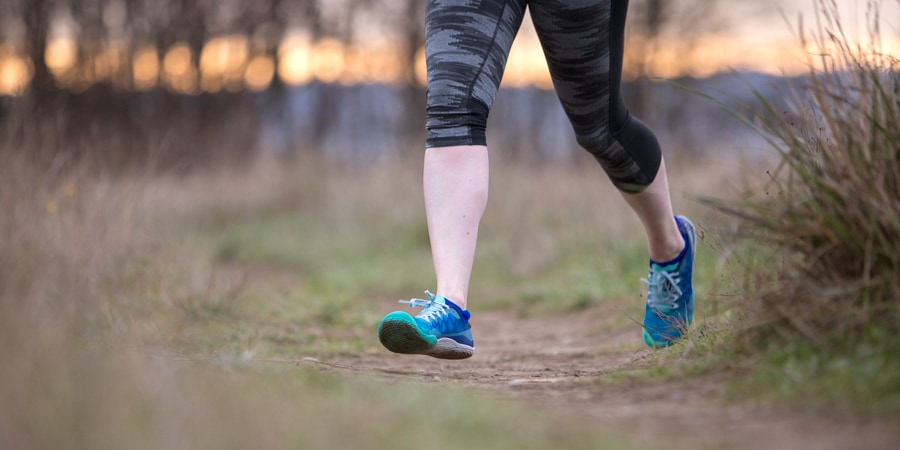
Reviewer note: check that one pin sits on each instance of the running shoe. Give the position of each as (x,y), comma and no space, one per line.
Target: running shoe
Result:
(440,330)
(670,296)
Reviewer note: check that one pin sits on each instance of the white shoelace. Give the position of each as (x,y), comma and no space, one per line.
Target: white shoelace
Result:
(431,308)
(663,291)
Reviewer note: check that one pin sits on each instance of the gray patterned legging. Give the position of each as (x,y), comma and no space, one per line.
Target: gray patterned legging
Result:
(467,43)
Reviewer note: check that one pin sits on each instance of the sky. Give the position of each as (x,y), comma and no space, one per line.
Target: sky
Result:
(764,32)
(757,36)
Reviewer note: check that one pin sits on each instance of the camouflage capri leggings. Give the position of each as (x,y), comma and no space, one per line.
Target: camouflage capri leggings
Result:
(467,43)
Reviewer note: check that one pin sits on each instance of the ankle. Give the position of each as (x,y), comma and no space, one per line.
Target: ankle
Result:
(668,251)
(458,298)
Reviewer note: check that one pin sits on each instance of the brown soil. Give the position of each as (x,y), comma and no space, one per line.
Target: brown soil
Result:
(559,363)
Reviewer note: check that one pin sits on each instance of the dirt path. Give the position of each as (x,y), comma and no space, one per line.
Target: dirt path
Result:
(559,363)
(556,362)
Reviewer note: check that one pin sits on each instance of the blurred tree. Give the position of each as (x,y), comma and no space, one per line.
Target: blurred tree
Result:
(78,97)
(657,28)
(414,39)
(136,78)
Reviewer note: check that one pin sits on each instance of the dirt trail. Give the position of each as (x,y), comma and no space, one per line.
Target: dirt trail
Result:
(555,362)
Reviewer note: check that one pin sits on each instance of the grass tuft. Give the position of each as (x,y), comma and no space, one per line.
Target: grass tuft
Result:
(831,209)
(820,315)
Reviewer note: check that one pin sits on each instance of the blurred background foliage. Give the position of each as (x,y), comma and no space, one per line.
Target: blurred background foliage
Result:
(175,84)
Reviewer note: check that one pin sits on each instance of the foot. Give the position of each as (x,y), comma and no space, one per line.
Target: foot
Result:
(441,330)
(670,296)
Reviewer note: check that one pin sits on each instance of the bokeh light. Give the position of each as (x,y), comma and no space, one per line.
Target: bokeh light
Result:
(177,61)
(15,71)
(326,60)
(145,68)
(527,66)
(108,63)
(61,56)
(78,59)
(294,60)
(178,69)
(421,68)
(369,65)
(260,72)
(223,62)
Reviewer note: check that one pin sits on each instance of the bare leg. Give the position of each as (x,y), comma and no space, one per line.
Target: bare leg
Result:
(456,189)
(654,207)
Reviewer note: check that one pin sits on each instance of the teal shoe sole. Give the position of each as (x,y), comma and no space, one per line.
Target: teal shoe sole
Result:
(652,343)
(399,333)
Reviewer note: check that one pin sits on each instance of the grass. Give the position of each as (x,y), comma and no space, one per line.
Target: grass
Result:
(177,312)
(157,312)
(833,205)
(860,376)
(822,317)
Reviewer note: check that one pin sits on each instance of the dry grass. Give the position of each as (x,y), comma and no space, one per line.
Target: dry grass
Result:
(831,209)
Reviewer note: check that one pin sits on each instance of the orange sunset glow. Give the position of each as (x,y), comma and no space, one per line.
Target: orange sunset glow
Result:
(231,62)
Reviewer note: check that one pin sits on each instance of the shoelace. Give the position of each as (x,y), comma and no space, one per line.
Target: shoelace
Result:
(663,291)
(434,312)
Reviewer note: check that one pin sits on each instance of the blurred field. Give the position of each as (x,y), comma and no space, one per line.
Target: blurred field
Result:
(165,312)
(334,248)
(236,308)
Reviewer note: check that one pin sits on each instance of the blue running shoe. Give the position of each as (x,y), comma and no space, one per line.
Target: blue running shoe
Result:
(670,296)
(441,330)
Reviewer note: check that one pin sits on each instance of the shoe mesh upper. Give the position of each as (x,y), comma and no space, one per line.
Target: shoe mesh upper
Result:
(440,316)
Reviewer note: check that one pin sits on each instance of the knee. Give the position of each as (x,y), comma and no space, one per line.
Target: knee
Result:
(630,156)
(454,116)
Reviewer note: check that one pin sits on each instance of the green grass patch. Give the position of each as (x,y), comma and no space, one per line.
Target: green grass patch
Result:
(348,275)
(701,352)
(859,376)
(334,257)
